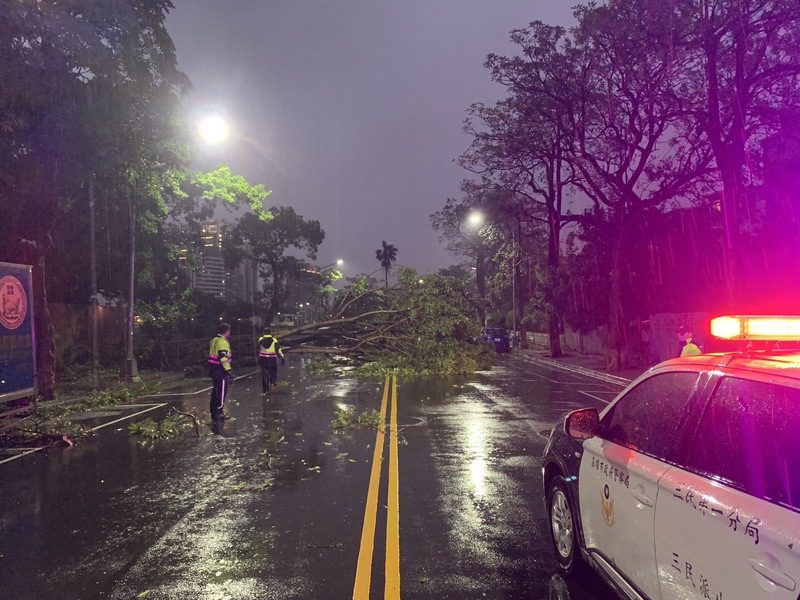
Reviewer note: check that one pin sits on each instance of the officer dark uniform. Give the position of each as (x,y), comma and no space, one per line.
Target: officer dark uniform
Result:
(219,368)
(269,349)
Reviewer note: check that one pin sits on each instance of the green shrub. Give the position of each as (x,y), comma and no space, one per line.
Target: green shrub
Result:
(345,419)
(171,426)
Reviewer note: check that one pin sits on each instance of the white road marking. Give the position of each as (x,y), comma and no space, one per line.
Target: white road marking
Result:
(136,414)
(550,379)
(31,451)
(546,378)
(165,394)
(595,397)
(578,371)
(101,426)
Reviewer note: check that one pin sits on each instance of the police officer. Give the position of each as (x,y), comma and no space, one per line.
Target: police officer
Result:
(690,348)
(269,349)
(219,368)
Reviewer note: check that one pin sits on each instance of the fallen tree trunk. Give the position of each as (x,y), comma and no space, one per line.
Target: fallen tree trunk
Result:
(422,325)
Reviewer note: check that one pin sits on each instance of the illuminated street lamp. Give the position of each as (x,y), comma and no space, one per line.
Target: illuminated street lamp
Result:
(339,262)
(475,219)
(214,129)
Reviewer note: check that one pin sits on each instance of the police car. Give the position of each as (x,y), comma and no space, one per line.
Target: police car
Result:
(688,484)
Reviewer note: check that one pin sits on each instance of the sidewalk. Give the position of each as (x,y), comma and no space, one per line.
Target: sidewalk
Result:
(592,364)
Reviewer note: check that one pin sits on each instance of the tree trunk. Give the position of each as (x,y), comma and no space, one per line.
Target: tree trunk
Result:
(554,332)
(553,266)
(617,359)
(93,270)
(730,155)
(33,253)
(730,217)
(278,297)
(480,283)
(521,301)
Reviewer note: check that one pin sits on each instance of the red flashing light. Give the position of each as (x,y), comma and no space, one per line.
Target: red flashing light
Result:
(764,328)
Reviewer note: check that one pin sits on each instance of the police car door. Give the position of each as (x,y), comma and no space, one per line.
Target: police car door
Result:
(619,474)
(728,526)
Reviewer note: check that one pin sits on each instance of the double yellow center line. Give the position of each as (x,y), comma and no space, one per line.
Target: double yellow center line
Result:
(361,588)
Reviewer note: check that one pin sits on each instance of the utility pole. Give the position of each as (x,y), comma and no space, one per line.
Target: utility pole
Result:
(130,370)
(93,269)
(514,288)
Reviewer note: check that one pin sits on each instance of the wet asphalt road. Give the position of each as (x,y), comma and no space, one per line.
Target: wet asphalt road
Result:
(272,505)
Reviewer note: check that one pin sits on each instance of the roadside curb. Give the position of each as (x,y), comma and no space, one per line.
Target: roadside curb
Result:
(586,372)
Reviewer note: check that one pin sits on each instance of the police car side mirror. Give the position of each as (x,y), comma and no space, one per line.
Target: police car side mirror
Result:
(582,424)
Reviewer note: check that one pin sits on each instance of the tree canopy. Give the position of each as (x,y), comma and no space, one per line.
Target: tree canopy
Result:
(654,118)
(267,241)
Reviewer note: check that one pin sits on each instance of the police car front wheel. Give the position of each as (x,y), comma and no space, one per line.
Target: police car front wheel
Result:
(562,524)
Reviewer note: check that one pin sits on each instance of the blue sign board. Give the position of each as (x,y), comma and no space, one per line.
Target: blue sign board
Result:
(17,338)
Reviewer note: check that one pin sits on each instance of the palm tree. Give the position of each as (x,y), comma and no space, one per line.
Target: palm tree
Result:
(386,255)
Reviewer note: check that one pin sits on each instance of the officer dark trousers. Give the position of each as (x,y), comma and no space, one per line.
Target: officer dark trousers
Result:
(269,371)
(219,391)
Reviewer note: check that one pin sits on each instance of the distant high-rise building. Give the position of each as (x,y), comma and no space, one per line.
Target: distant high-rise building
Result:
(241,283)
(210,278)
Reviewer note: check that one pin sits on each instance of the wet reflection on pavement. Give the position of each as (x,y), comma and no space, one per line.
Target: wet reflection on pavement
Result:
(272,505)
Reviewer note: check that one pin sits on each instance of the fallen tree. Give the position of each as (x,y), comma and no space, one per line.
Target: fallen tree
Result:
(422,325)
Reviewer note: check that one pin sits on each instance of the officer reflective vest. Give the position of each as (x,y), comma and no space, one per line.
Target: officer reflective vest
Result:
(219,352)
(269,347)
(691,349)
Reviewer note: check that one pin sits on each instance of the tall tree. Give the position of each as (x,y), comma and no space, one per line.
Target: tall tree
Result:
(523,141)
(743,79)
(386,255)
(65,66)
(266,242)
(630,148)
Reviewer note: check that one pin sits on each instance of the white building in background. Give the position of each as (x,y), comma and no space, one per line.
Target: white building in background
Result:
(242,283)
(210,278)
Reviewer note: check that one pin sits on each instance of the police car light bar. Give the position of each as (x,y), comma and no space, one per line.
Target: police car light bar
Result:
(766,328)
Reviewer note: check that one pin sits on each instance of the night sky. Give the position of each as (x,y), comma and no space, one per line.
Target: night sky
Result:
(350,110)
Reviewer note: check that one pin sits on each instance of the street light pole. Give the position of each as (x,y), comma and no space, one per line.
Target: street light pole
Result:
(93,271)
(130,370)
(475,220)
(514,288)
